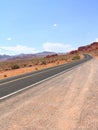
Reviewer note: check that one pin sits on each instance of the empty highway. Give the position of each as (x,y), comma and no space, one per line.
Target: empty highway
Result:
(17,84)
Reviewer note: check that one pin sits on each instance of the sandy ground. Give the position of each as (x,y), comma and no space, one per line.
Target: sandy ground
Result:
(66,102)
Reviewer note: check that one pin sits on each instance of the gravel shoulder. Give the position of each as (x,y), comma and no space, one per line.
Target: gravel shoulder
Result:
(66,102)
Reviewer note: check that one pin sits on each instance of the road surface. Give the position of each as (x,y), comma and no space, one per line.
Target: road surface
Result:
(17,84)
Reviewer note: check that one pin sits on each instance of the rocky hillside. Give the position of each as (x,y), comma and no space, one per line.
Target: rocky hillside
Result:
(91,48)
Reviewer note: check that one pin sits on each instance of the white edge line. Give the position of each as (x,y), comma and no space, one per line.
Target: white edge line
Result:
(4,97)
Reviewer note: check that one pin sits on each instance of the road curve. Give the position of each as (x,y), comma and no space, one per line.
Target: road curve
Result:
(17,84)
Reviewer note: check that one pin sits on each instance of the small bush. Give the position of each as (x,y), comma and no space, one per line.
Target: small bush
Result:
(43,62)
(76,57)
(58,63)
(5,75)
(24,65)
(35,63)
(15,67)
(29,65)
(36,68)
(6,69)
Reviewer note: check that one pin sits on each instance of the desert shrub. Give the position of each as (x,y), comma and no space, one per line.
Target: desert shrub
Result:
(5,75)
(58,62)
(35,63)
(29,65)
(24,65)
(36,68)
(15,67)
(6,69)
(43,62)
(76,57)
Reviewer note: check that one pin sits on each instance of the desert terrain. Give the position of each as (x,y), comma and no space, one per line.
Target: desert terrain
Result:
(66,102)
(18,67)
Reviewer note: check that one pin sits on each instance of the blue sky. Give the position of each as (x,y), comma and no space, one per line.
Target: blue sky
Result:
(30,26)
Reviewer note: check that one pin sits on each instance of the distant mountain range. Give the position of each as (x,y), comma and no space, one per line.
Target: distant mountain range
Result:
(93,47)
(25,56)
(4,57)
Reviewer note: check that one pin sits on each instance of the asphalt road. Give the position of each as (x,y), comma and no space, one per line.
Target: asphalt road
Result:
(11,86)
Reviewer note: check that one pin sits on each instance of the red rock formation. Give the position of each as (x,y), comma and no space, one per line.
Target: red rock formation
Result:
(88,48)
(74,52)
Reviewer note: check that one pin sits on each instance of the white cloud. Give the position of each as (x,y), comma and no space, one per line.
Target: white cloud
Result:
(55,25)
(96,39)
(18,49)
(57,47)
(9,39)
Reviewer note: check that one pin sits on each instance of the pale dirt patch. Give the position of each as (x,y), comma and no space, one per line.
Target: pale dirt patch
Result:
(66,102)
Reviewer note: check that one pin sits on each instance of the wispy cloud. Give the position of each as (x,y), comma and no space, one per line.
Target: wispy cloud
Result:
(96,40)
(9,39)
(57,47)
(55,25)
(18,49)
